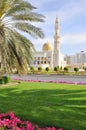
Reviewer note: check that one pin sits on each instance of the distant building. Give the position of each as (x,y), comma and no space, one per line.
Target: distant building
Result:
(78,59)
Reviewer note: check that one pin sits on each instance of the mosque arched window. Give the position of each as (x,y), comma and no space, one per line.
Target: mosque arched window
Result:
(41,62)
(38,62)
(45,62)
(38,58)
(42,58)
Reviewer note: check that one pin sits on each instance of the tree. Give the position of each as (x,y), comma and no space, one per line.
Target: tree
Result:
(39,68)
(66,69)
(76,69)
(56,68)
(16,20)
(47,69)
(32,69)
(84,68)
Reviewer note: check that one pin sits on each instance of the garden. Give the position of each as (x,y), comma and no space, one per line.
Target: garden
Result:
(52,106)
(33,105)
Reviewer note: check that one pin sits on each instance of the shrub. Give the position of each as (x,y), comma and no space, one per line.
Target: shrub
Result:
(85,69)
(56,68)
(32,68)
(76,69)
(39,68)
(47,69)
(66,69)
(4,79)
(1,81)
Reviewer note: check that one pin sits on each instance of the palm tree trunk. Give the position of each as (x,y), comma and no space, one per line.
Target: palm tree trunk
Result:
(0,63)
(1,58)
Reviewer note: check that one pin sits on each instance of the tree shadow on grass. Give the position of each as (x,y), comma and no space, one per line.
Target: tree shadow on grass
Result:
(46,107)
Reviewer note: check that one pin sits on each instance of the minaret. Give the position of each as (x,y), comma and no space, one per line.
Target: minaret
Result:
(56,55)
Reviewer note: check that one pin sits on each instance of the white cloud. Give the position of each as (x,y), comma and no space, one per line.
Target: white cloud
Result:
(65,12)
(65,39)
(39,3)
(73,38)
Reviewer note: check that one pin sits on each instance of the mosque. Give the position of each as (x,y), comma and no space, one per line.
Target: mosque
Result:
(50,56)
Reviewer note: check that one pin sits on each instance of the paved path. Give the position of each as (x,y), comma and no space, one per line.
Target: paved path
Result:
(68,78)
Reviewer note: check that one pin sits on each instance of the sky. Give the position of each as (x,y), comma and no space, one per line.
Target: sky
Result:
(72,22)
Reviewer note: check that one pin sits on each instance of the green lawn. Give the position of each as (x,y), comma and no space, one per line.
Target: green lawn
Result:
(46,104)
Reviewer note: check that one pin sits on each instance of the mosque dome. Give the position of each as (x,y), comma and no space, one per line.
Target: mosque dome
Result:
(47,47)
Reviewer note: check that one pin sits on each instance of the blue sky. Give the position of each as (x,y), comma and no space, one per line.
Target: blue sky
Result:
(72,22)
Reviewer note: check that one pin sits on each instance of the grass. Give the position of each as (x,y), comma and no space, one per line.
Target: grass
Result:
(46,104)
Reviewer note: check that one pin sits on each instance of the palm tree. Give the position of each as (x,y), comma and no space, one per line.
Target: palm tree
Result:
(16,19)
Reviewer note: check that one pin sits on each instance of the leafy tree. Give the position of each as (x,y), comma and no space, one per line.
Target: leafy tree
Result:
(55,69)
(16,20)
(66,69)
(76,69)
(39,68)
(32,68)
(47,69)
(84,68)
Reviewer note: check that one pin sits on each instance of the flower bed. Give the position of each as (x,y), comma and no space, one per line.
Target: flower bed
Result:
(51,81)
(9,121)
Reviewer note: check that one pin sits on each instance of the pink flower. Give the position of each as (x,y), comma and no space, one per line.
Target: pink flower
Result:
(53,128)
(11,122)
(59,129)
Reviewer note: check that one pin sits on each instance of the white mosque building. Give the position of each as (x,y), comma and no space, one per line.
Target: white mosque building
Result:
(50,56)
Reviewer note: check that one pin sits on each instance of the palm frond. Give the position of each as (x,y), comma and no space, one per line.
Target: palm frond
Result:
(16,51)
(4,5)
(30,16)
(31,29)
(19,6)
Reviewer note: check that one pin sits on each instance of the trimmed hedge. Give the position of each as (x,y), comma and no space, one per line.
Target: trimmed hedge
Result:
(4,79)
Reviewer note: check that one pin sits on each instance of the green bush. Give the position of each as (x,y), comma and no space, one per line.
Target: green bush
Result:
(32,68)
(39,68)
(66,69)
(47,69)
(4,79)
(76,69)
(1,81)
(56,68)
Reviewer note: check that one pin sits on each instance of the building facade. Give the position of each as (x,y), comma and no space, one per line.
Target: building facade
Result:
(50,56)
(77,60)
